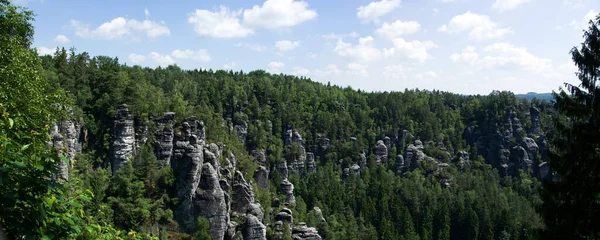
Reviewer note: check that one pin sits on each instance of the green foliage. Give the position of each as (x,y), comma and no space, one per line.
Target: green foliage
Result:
(571,204)
(203,226)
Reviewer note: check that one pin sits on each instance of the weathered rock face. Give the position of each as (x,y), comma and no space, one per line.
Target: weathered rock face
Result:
(242,194)
(287,188)
(163,146)
(261,175)
(355,169)
(381,152)
(296,156)
(414,156)
(302,232)
(520,158)
(255,210)
(536,125)
(283,170)
(388,143)
(319,214)
(362,162)
(462,159)
(58,144)
(187,164)
(285,215)
(259,156)
(254,229)
(311,165)
(209,202)
(123,138)
(400,167)
(241,131)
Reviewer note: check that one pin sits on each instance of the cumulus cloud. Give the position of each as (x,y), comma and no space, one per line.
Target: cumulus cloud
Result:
(398,28)
(364,51)
(199,55)
(374,10)
(286,45)
(504,5)
(136,58)
(330,36)
(120,27)
(253,47)
(229,66)
(45,51)
(394,71)
(275,14)
(300,71)
(330,70)
(61,39)
(417,50)
(220,24)
(275,67)
(503,56)
(480,27)
(358,69)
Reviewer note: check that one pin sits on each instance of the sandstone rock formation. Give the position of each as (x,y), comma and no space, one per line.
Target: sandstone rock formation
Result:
(123,138)
(287,188)
(209,202)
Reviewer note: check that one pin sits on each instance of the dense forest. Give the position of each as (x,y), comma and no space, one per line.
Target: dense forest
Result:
(92,148)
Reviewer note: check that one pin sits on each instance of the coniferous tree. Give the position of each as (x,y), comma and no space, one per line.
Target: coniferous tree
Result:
(572,202)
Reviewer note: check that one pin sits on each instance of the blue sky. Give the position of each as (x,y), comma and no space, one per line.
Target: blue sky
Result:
(463,46)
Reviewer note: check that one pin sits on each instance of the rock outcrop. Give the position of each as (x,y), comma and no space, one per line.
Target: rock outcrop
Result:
(400,166)
(302,232)
(254,229)
(287,188)
(261,176)
(123,139)
(163,146)
(57,142)
(241,131)
(242,194)
(209,202)
(285,215)
(311,165)
(381,152)
(187,164)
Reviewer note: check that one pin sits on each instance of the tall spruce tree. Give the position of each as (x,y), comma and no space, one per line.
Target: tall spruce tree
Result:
(572,202)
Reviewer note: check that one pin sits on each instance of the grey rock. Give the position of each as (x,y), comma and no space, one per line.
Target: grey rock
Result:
(346,172)
(282,169)
(259,156)
(419,144)
(319,214)
(255,210)
(362,162)
(388,143)
(302,232)
(261,175)
(163,146)
(57,142)
(462,159)
(241,131)
(287,188)
(381,152)
(535,120)
(242,194)
(285,215)
(187,164)
(231,230)
(532,148)
(311,165)
(413,156)
(209,202)
(254,229)
(400,167)
(355,169)
(123,138)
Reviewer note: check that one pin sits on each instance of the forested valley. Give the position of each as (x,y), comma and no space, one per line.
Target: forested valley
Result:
(91,148)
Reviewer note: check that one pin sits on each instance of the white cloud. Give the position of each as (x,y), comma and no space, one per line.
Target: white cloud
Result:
(394,71)
(146,13)
(221,24)
(136,58)
(374,10)
(275,67)
(480,27)
(312,55)
(426,75)
(45,51)
(253,47)
(275,14)
(398,28)
(591,15)
(435,11)
(300,71)
(120,27)
(330,36)
(358,69)
(229,66)
(416,50)
(504,56)
(161,60)
(362,52)
(578,25)
(200,55)
(448,1)
(61,39)
(504,5)
(573,3)
(330,70)
(286,45)
(468,55)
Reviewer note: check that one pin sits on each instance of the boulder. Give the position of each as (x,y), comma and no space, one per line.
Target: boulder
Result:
(311,165)
(285,215)
(381,152)
(241,130)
